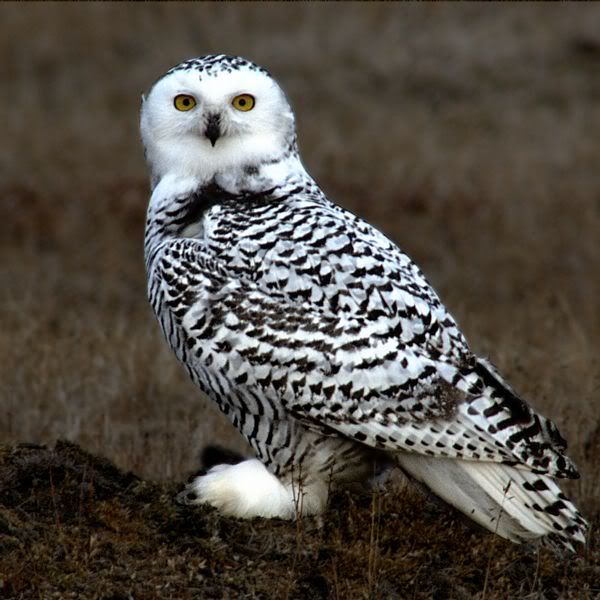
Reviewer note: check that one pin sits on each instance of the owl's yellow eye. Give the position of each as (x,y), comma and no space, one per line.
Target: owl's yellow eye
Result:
(184,102)
(243,102)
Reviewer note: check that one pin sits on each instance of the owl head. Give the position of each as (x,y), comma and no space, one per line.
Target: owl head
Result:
(215,114)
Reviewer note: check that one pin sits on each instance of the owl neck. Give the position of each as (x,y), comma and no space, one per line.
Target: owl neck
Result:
(267,177)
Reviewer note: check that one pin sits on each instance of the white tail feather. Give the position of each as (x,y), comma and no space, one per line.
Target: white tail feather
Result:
(509,501)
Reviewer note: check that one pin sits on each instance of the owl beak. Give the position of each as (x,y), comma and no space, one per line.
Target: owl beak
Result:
(213,128)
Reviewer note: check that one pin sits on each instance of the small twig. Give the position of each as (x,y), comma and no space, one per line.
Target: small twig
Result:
(53,496)
(336,581)
(374,542)
(297,498)
(537,572)
(489,565)
(81,492)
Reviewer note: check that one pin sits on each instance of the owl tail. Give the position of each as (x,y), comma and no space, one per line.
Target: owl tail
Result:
(517,504)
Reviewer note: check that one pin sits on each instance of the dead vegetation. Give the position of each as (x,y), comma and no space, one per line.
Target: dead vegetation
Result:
(469,134)
(74,526)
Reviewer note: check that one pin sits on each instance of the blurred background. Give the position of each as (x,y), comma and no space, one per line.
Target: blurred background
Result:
(469,133)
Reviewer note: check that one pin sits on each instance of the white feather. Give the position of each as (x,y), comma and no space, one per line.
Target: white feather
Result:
(248,490)
(494,495)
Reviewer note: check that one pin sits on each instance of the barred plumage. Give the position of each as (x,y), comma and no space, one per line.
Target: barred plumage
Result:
(318,337)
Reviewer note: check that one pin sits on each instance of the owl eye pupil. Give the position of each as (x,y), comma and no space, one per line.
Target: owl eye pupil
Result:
(242,102)
(186,101)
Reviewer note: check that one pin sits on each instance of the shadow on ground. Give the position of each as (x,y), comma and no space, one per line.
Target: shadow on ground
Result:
(72,525)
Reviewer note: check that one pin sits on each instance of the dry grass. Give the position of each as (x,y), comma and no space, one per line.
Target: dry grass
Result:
(74,526)
(469,134)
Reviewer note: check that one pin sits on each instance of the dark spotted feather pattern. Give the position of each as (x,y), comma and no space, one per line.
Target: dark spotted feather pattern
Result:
(327,347)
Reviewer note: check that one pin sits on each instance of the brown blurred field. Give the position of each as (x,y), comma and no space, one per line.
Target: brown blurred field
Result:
(470,134)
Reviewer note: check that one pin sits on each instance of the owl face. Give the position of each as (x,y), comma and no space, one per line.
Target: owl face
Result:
(206,116)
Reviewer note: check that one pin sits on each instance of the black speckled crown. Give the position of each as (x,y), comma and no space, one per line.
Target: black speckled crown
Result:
(213,64)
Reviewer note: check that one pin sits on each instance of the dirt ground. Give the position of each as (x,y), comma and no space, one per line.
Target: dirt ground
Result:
(469,134)
(75,526)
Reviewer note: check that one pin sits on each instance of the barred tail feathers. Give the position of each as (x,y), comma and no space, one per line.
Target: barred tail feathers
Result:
(517,504)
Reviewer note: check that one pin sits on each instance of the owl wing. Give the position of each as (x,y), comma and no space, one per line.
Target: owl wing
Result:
(347,372)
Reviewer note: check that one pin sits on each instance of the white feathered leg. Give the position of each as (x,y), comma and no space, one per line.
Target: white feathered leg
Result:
(248,490)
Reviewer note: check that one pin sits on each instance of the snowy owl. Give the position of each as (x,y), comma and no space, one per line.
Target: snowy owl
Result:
(314,333)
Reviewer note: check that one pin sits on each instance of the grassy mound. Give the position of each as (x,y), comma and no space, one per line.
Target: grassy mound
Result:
(72,525)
